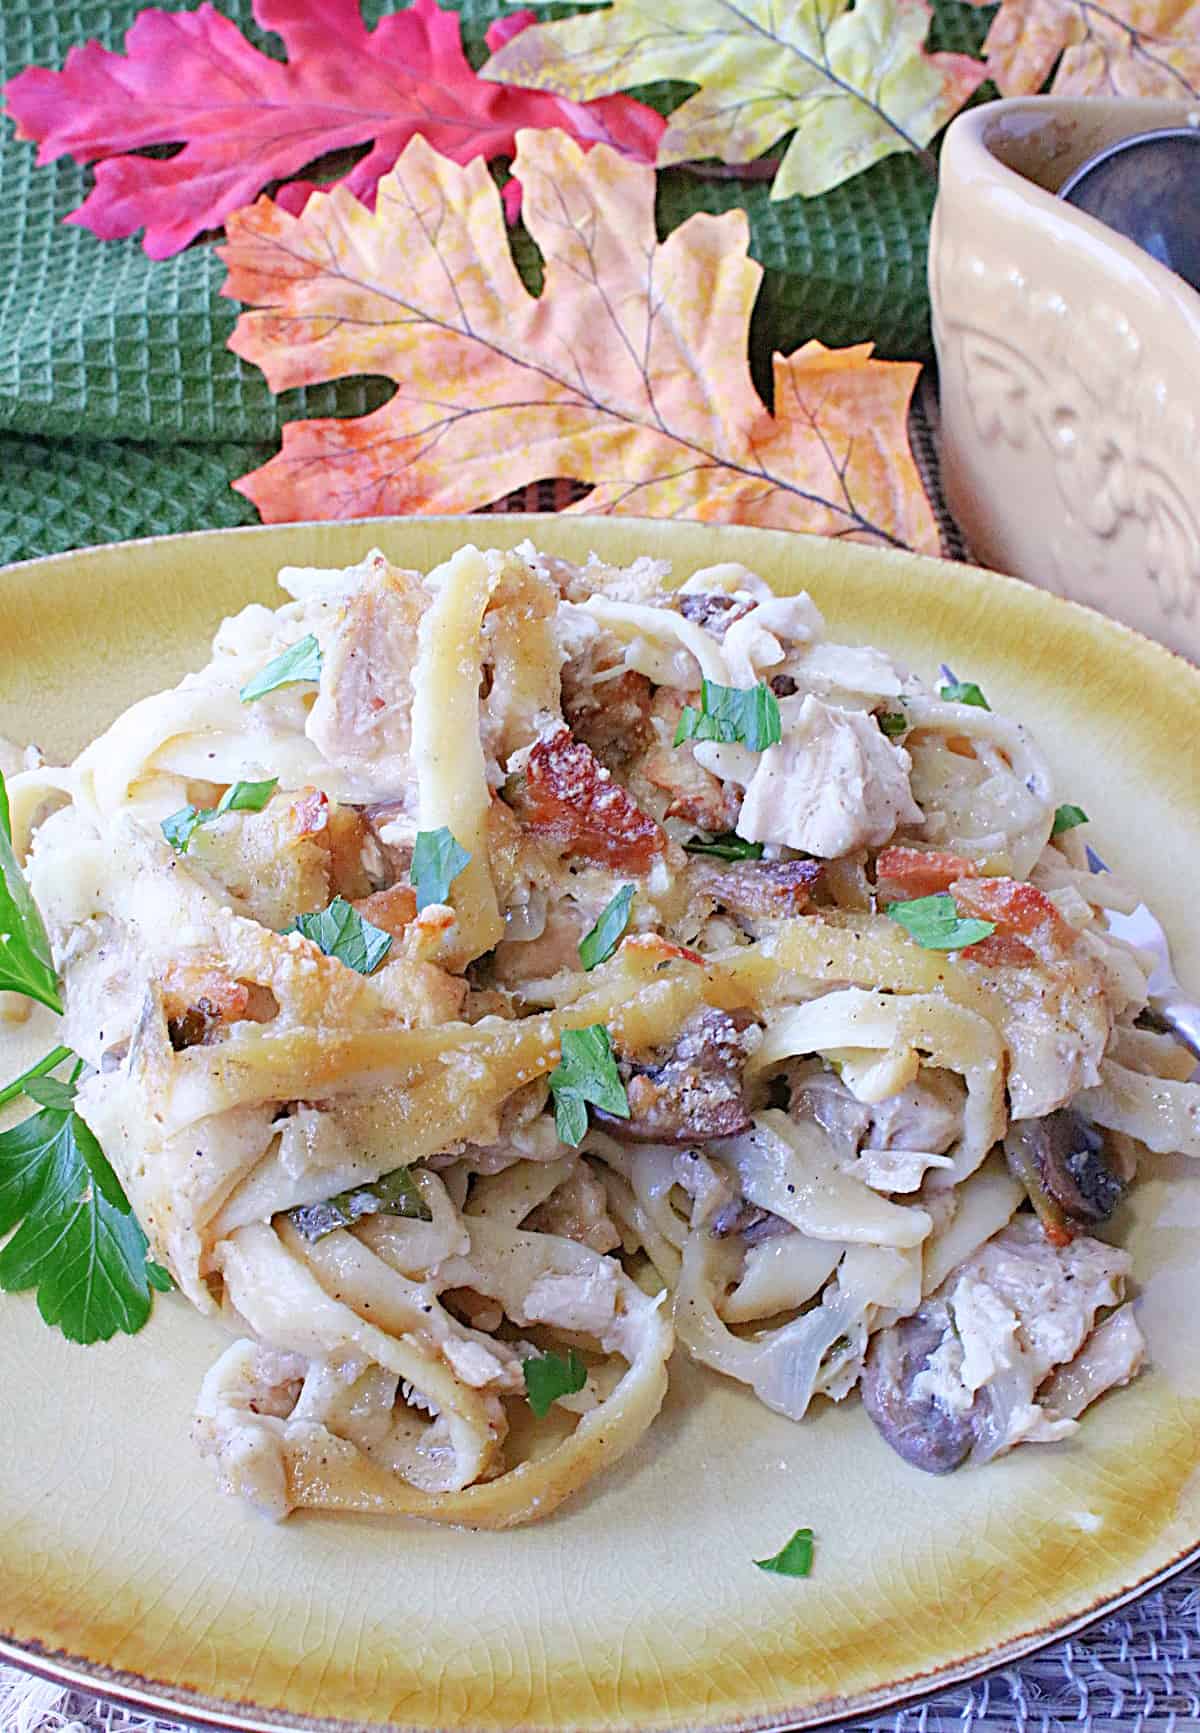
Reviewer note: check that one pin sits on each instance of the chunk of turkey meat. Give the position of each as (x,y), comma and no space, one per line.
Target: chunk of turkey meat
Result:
(1010,1315)
(362,719)
(925,1116)
(834,783)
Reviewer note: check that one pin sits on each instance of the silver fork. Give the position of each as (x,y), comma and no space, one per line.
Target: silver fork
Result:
(1168,1000)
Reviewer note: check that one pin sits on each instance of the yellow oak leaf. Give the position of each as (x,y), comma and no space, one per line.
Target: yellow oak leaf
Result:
(1144,48)
(854,85)
(629,371)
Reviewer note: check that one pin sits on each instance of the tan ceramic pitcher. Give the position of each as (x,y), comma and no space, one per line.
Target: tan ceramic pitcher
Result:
(1069,367)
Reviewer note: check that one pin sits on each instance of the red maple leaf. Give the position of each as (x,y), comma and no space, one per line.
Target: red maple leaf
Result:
(245,120)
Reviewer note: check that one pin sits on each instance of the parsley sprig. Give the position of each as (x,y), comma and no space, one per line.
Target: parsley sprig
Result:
(20,1085)
(934,922)
(727,713)
(549,1376)
(793,1560)
(1066,818)
(598,946)
(961,691)
(181,826)
(395,1194)
(436,863)
(586,1072)
(77,1240)
(26,965)
(300,663)
(341,932)
(726,847)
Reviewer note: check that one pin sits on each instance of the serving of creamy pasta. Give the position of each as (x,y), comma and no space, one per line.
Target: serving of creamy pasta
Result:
(494,980)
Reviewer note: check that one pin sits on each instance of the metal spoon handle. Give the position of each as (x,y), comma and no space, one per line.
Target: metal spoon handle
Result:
(1182,1018)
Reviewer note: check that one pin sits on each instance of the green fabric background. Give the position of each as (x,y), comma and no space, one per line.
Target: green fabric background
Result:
(122,412)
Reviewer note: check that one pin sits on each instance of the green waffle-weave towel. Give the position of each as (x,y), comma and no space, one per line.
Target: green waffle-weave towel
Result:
(122,412)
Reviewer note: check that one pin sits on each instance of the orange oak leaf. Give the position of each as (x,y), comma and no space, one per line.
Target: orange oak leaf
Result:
(1144,48)
(629,371)
(245,120)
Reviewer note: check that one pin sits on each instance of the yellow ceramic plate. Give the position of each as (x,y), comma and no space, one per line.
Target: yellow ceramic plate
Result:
(638,1605)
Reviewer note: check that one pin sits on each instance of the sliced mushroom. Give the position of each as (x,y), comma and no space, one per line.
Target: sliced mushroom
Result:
(715,611)
(1068,1170)
(694,1092)
(753,1224)
(916,1425)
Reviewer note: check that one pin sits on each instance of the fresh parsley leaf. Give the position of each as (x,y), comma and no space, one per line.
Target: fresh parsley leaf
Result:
(1066,818)
(549,1376)
(17,1087)
(793,1560)
(749,714)
(50,1092)
(727,847)
(77,1241)
(181,826)
(599,945)
(934,922)
(586,1072)
(894,723)
(341,932)
(436,863)
(964,692)
(299,663)
(26,965)
(395,1194)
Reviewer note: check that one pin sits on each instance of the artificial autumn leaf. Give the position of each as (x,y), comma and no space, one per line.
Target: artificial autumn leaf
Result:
(1145,48)
(245,120)
(854,85)
(629,371)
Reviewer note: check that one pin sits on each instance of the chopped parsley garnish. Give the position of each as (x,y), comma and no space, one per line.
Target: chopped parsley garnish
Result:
(181,826)
(395,1194)
(586,1072)
(294,666)
(935,923)
(964,692)
(26,965)
(436,863)
(1066,818)
(51,1062)
(341,932)
(77,1240)
(598,946)
(727,847)
(728,713)
(893,723)
(549,1376)
(793,1560)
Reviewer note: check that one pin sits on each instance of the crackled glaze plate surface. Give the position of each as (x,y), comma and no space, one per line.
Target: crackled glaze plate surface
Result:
(637,1606)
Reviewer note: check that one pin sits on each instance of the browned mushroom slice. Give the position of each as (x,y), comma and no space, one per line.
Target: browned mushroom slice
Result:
(1068,1170)
(911,1419)
(694,1091)
(713,610)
